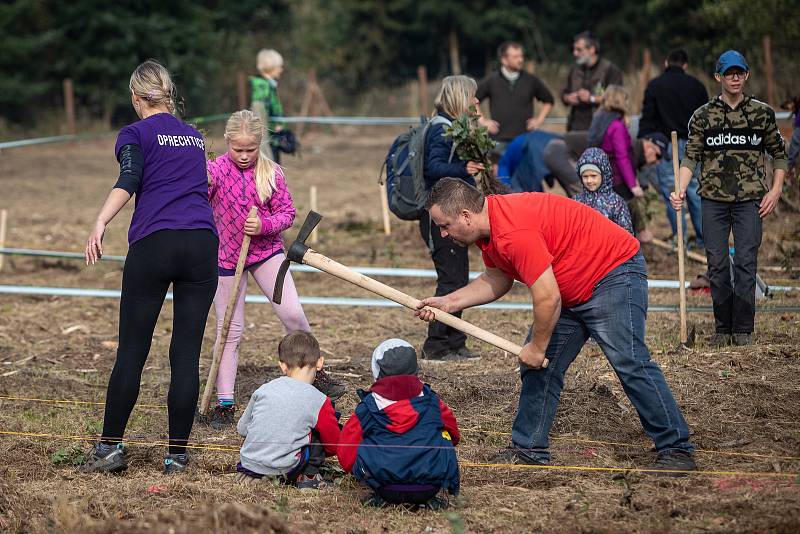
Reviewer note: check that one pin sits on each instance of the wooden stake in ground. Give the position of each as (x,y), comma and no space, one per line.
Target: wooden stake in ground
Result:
(3,218)
(387,225)
(226,322)
(422,76)
(241,89)
(679,216)
(69,107)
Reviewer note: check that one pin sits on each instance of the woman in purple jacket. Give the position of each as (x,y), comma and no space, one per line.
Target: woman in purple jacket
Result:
(609,132)
(172,240)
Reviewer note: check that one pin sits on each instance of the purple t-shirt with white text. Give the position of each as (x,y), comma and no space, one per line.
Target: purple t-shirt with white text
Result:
(173,194)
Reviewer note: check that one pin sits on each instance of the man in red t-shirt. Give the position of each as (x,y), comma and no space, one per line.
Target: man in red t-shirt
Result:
(587,278)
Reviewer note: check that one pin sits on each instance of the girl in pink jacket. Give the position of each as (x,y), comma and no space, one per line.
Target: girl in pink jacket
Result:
(239,179)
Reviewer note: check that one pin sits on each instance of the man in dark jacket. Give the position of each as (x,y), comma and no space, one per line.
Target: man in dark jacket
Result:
(730,137)
(587,81)
(669,102)
(511,92)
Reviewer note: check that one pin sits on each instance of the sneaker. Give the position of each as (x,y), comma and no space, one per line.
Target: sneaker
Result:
(515,455)
(673,460)
(719,340)
(466,353)
(221,416)
(327,385)
(105,458)
(374,501)
(175,463)
(742,339)
(305,482)
(436,504)
(449,356)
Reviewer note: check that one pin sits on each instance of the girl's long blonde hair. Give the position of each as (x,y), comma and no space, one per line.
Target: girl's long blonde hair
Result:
(151,82)
(615,98)
(245,122)
(456,95)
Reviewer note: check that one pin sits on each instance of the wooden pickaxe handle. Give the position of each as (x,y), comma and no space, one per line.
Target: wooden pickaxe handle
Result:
(323,263)
(226,322)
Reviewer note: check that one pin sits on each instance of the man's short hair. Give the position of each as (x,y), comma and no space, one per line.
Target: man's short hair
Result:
(298,349)
(453,195)
(590,40)
(505,45)
(678,58)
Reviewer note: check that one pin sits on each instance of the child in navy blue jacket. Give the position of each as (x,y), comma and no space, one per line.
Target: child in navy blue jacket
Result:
(401,439)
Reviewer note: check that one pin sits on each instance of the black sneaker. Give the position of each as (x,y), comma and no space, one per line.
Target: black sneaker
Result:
(328,386)
(175,463)
(742,339)
(105,459)
(375,501)
(466,353)
(305,482)
(719,340)
(515,455)
(436,504)
(221,416)
(673,460)
(448,356)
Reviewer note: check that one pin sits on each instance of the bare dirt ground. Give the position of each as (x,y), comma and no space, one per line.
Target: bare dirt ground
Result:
(741,403)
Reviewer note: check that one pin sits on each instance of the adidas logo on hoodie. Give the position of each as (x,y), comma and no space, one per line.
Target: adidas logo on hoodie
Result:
(733,138)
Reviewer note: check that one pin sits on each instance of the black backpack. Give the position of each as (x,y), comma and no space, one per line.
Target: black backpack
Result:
(405,162)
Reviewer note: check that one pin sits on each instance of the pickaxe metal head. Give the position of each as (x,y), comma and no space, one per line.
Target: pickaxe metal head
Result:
(295,253)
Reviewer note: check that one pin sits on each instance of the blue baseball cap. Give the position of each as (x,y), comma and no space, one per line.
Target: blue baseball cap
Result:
(730,59)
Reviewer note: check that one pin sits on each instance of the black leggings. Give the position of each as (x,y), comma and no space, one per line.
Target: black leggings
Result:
(187,259)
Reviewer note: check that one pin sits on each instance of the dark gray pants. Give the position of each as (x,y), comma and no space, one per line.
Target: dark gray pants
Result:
(734,303)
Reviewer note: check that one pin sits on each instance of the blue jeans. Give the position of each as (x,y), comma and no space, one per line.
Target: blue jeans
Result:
(665,176)
(615,317)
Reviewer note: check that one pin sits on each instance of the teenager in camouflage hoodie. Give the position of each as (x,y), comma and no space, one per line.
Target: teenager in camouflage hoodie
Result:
(730,138)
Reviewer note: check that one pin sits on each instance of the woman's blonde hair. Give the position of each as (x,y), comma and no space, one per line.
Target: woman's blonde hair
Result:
(245,122)
(456,95)
(152,83)
(267,60)
(615,98)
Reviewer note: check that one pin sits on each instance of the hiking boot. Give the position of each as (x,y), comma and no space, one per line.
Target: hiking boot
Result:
(517,456)
(328,386)
(673,460)
(741,339)
(175,463)
(105,458)
(719,340)
(221,416)
(306,482)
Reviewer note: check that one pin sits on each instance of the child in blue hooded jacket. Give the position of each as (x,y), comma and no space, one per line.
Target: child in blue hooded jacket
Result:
(401,439)
(594,168)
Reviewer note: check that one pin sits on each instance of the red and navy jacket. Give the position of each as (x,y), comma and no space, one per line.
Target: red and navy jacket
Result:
(401,434)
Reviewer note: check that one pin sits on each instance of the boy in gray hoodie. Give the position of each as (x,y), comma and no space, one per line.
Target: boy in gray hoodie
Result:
(289,426)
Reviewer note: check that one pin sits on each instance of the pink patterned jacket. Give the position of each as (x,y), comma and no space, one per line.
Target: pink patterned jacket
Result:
(232,192)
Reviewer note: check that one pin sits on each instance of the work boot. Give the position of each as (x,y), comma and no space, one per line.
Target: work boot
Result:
(105,458)
(673,460)
(221,416)
(719,340)
(515,455)
(328,386)
(175,463)
(741,339)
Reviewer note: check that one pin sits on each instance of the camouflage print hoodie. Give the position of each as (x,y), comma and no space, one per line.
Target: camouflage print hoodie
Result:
(604,200)
(730,146)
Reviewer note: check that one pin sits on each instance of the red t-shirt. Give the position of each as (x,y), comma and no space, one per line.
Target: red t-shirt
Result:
(531,231)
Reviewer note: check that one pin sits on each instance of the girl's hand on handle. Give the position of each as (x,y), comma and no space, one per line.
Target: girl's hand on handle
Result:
(252,225)
(637,191)
(94,245)
(474,167)
(676,199)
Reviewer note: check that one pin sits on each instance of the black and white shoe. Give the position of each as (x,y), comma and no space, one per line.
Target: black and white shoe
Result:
(105,458)
(175,463)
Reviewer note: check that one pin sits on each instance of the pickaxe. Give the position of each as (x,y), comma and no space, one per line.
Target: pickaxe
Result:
(299,252)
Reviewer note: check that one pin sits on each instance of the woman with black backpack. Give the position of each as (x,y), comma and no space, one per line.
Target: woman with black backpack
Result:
(451,261)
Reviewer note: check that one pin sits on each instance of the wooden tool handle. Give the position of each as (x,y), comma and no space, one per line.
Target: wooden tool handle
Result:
(323,263)
(679,218)
(226,322)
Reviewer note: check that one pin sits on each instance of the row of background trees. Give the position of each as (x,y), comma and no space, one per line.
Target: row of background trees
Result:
(355,45)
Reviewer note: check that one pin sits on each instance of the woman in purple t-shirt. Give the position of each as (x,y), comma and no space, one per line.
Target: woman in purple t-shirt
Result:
(172,240)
